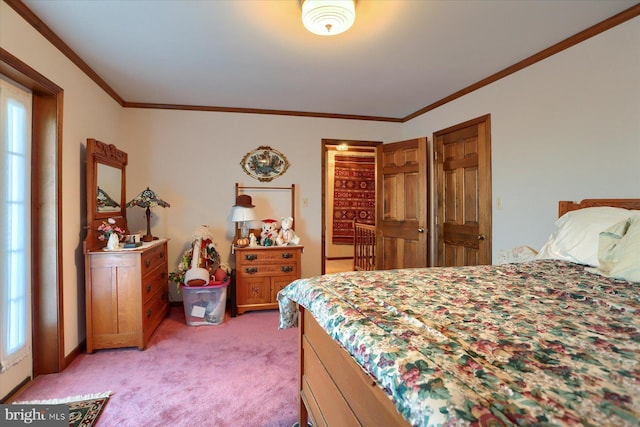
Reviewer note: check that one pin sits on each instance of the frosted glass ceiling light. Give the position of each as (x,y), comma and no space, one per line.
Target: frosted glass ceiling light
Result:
(328,17)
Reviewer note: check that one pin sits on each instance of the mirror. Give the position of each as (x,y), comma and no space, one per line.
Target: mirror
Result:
(106,183)
(109,188)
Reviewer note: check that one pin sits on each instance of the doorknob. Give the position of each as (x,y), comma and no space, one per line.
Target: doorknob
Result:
(420,230)
(481,237)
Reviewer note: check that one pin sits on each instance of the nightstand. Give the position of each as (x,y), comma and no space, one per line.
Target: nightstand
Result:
(261,272)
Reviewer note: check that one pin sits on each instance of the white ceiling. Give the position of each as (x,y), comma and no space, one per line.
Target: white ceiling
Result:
(399,57)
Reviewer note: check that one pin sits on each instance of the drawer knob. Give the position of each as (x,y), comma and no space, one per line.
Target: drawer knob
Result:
(251,270)
(287,255)
(148,287)
(251,257)
(286,268)
(148,313)
(147,262)
(161,254)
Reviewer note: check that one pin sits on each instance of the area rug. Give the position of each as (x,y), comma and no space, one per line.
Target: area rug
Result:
(354,196)
(83,410)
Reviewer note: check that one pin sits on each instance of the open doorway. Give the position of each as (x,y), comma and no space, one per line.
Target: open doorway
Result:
(337,247)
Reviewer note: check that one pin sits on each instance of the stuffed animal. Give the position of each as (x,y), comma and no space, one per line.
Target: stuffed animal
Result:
(269,232)
(287,236)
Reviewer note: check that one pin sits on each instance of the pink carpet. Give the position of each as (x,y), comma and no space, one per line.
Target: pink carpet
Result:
(242,372)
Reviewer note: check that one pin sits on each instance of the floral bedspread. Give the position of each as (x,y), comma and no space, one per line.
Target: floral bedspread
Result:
(536,343)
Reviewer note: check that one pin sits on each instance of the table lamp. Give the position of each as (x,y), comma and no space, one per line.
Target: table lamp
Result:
(243,214)
(148,199)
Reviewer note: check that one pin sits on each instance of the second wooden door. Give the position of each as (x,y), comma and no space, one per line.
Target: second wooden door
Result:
(402,205)
(463,193)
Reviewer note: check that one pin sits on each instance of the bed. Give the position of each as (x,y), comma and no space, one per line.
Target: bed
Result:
(545,342)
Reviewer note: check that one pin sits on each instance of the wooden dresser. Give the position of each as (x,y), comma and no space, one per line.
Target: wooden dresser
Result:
(261,272)
(126,295)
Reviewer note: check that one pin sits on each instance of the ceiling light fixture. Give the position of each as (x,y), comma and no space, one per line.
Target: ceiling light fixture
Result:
(328,17)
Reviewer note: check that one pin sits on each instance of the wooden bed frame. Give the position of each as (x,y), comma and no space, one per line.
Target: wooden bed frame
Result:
(335,391)
(564,207)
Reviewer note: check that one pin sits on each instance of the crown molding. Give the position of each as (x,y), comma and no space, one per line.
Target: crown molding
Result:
(583,35)
(594,30)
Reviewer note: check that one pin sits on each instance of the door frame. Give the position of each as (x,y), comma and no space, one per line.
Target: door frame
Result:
(326,144)
(46,224)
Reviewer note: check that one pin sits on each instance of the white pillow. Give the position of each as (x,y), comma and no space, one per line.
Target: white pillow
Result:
(576,234)
(619,250)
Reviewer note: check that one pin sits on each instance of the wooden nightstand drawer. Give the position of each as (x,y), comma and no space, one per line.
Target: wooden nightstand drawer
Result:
(267,256)
(267,269)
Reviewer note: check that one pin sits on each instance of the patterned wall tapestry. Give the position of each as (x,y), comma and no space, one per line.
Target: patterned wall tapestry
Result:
(354,196)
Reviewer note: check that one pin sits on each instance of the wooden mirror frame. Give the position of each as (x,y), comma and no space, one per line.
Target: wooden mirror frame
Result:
(243,189)
(100,153)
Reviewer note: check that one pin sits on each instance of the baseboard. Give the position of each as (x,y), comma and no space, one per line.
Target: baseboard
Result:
(74,353)
(13,394)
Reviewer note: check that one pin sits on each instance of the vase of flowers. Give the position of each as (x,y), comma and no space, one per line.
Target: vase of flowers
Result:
(110,232)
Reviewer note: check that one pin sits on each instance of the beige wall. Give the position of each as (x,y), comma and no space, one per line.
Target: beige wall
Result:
(192,160)
(566,128)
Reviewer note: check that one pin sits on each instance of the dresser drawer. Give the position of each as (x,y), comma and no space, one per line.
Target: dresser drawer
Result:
(154,310)
(263,256)
(153,282)
(153,257)
(257,269)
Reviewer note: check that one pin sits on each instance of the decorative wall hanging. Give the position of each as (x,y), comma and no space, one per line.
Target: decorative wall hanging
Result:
(354,196)
(264,163)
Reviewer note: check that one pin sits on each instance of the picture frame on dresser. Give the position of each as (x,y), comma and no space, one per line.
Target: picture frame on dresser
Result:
(126,290)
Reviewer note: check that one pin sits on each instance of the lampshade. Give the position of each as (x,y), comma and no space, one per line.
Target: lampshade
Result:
(148,199)
(328,17)
(241,214)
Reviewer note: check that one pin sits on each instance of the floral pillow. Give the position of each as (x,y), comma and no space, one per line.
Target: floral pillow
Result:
(619,250)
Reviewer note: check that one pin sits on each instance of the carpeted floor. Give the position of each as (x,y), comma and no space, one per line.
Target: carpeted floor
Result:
(241,372)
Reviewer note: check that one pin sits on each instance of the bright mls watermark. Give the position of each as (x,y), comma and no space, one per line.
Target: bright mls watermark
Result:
(34,415)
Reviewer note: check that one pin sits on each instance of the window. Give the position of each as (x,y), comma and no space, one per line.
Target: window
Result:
(15,217)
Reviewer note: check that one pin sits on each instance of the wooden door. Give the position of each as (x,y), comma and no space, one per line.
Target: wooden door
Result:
(402,205)
(463,188)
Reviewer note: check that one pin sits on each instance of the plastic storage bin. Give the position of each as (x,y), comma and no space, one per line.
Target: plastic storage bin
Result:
(205,305)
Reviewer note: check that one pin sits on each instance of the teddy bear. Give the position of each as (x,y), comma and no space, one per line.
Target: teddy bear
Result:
(286,235)
(269,232)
